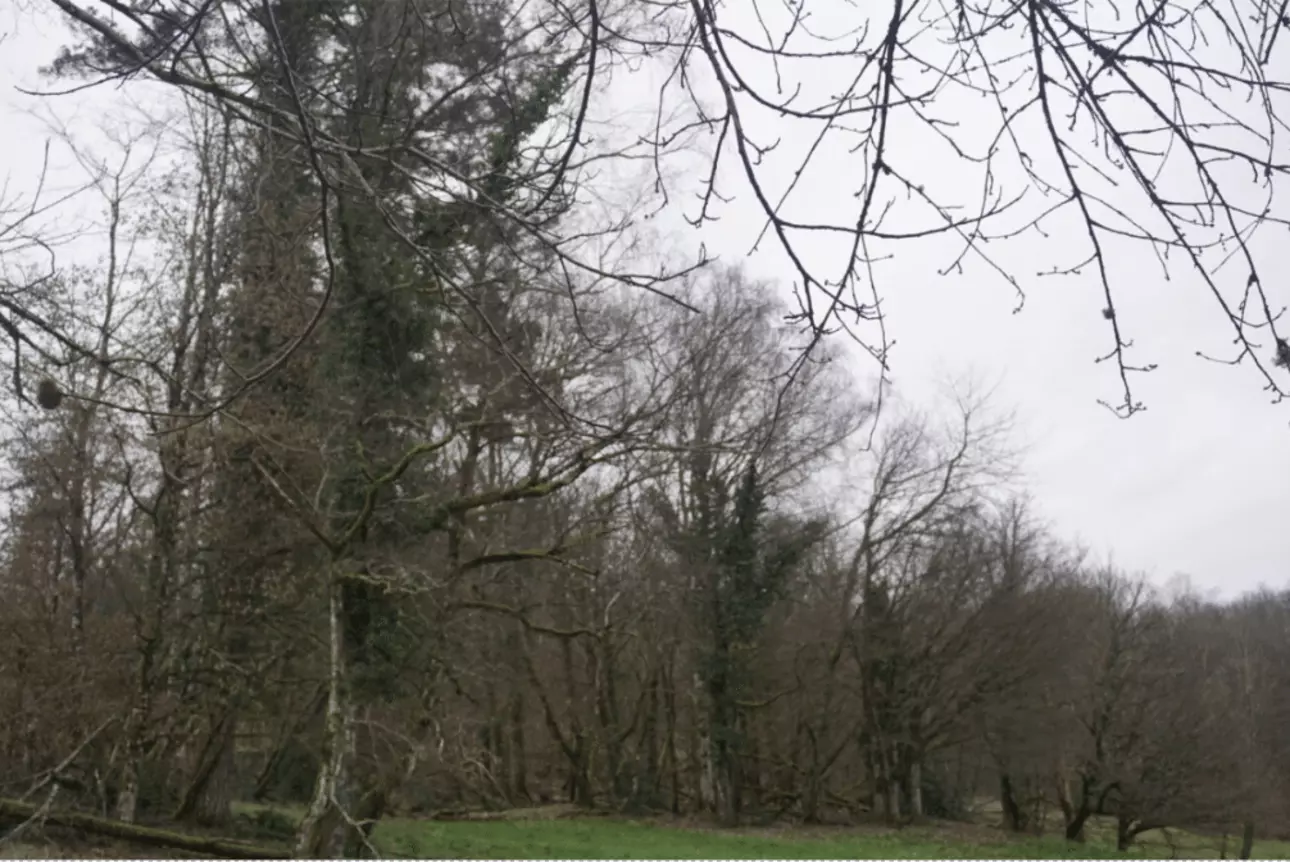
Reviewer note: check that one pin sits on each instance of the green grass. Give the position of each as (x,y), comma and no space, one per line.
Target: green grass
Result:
(604,838)
(617,838)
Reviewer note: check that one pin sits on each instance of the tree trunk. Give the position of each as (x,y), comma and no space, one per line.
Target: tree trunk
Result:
(135,746)
(749,772)
(579,786)
(915,780)
(127,801)
(700,749)
(723,757)
(674,761)
(1075,827)
(208,799)
(892,809)
(1247,839)
(1123,832)
(814,781)
(1064,798)
(517,762)
(215,805)
(725,789)
(645,777)
(886,787)
(1015,818)
(1074,816)
(321,831)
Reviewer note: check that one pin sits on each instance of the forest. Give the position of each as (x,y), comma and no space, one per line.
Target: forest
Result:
(368,467)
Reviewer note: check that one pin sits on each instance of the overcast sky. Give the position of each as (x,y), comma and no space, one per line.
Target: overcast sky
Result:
(1197,484)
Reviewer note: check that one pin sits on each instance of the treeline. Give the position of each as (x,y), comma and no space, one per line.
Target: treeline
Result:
(367,493)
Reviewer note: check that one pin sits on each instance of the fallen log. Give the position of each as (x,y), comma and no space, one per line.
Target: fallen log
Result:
(12,810)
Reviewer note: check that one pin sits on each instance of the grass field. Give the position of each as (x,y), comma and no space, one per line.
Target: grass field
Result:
(607,838)
(544,834)
(603,838)
(541,834)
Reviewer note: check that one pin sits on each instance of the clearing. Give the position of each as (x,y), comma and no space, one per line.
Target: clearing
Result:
(538,834)
(609,838)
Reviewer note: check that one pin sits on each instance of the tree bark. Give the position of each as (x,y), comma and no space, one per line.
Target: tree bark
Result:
(1075,828)
(1074,817)
(814,781)
(320,831)
(646,776)
(725,789)
(127,800)
(1123,832)
(1247,839)
(674,762)
(915,779)
(517,762)
(135,745)
(208,799)
(1015,818)
(893,808)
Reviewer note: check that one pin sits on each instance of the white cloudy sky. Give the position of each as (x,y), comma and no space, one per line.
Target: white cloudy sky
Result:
(1197,484)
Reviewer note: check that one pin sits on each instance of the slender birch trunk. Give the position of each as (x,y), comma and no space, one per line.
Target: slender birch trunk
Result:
(321,831)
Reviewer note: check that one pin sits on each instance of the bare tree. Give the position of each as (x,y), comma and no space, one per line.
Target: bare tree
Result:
(1167,167)
(1099,123)
(740,440)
